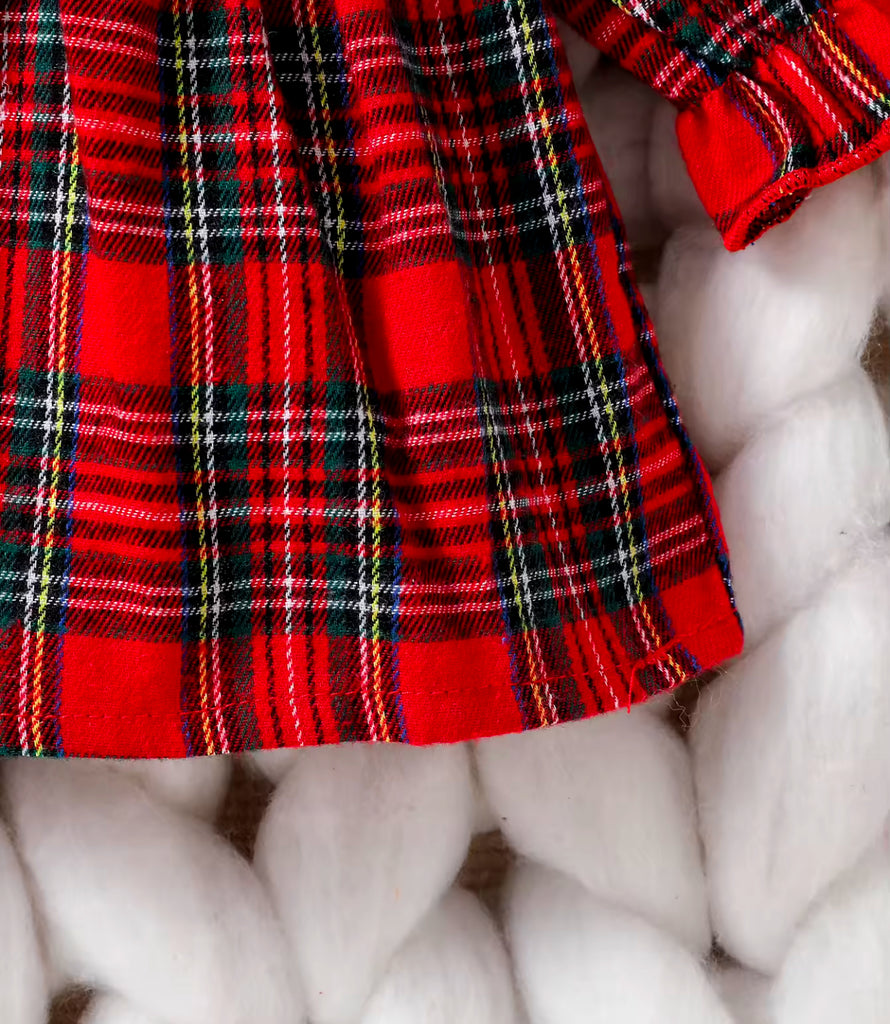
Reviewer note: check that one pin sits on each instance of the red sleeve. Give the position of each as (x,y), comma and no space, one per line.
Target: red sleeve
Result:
(775,97)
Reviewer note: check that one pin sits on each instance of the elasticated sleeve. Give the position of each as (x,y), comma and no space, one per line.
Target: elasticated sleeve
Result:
(775,97)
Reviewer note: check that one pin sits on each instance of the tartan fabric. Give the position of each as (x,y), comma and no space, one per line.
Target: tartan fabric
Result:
(330,409)
(775,97)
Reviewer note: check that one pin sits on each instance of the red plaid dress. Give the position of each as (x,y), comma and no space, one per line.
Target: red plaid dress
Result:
(330,408)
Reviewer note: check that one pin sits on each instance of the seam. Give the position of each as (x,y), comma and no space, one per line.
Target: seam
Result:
(756,216)
(655,656)
(763,50)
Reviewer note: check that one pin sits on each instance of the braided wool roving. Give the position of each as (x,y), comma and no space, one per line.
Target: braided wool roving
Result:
(110,1009)
(790,745)
(740,875)
(362,842)
(838,966)
(627,837)
(745,334)
(22,973)
(828,503)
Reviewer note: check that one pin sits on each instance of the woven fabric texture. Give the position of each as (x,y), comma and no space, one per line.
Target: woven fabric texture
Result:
(775,97)
(330,407)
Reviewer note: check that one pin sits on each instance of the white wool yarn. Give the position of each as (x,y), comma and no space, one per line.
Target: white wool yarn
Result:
(790,744)
(882,169)
(619,111)
(674,199)
(23,995)
(609,802)
(838,968)
(453,968)
(145,900)
(273,764)
(581,961)
(582,57)
(196,787)
(792,763)
(111,1009)
(352,913)
(362,841)
(743,334)
(825,464)
(606,807)
(746,993)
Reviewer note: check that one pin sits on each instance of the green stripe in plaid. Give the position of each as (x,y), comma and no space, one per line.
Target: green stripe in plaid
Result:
(327,412)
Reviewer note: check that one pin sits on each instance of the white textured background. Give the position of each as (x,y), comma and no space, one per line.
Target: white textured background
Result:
(720,856)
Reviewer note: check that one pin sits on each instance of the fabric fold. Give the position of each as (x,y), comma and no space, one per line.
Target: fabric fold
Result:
(813,106)
(332,409)
(774,98)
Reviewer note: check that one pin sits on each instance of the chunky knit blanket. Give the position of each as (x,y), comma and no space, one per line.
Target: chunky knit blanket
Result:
(719,856)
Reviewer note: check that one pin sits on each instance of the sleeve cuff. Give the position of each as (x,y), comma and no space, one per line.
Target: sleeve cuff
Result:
(814,107)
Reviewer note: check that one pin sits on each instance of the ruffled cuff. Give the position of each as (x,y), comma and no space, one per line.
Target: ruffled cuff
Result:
(814,106)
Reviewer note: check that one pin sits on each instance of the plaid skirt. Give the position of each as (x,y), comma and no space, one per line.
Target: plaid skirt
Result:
(330,408)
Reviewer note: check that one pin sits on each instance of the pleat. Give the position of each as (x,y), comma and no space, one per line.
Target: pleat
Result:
(328,402)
